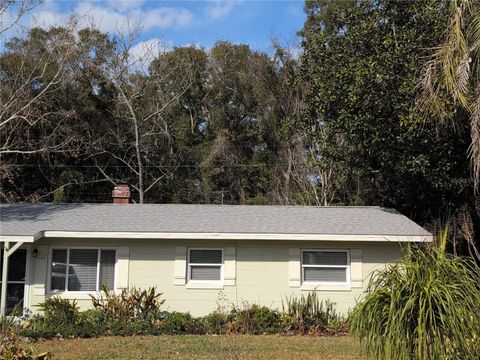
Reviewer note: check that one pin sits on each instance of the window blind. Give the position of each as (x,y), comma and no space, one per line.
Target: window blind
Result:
(325,258)
(205,273)
(107,269)
(324,274)
(82,270)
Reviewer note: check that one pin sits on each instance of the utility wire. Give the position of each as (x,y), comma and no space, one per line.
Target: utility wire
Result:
(147,166)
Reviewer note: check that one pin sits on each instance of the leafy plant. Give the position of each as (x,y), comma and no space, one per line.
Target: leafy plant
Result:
(130,304)
(216,322)
(180,323)
(59,312)
(308,313)
(423,307)
(253,319)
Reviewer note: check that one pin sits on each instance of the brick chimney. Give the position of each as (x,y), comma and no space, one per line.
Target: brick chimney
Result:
(121,194)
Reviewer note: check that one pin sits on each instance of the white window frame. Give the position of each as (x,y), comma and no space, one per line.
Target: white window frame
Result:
(189,267)
(320,283)
(68,248)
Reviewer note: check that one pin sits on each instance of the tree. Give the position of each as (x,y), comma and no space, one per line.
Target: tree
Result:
(12,11)
(143,142)
(450,82)
(360,67)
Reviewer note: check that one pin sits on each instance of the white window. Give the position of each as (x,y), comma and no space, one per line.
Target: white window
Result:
(82,269)
(205,265)
(326,267)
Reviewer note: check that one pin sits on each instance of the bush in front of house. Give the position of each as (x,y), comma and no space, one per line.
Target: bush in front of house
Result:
(130,305)
(216,322)
(423,307)
(308,314)
(175,323)
(139,312)
(253,319)
(61,317)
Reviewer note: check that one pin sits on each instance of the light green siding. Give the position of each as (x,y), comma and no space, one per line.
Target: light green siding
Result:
(261,272)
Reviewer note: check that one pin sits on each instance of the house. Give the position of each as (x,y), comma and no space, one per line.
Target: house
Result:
(194,253)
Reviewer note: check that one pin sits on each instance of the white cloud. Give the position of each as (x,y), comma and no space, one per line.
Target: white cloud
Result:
(220,8)
(125,4)
(166,17)
(144,52)
(109,19)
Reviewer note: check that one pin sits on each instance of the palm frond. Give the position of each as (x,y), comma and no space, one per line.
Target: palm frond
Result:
(474,150)
(452,72)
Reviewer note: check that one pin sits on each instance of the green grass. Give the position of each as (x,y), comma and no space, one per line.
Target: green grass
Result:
(204,347)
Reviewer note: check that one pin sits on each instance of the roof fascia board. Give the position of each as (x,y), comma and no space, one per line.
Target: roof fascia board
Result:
(235,236)
(17,238)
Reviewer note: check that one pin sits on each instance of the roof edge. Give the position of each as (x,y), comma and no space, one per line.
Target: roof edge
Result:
(231,236)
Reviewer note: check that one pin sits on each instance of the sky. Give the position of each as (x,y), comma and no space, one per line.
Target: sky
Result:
(182,22)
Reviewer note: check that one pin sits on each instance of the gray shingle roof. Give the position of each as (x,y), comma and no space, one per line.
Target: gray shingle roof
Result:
(29,219)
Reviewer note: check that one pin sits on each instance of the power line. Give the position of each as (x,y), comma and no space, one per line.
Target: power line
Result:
(147,166)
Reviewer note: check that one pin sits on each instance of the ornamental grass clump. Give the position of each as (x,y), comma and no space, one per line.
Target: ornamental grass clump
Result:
(423,307)
(308,314)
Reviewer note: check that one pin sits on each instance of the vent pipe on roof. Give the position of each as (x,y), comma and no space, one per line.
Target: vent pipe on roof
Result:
(121,194)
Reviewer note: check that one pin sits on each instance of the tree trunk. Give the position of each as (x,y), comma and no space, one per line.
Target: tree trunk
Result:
(141,190)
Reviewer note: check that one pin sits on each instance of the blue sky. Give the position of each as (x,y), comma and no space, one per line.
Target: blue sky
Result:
(182,22)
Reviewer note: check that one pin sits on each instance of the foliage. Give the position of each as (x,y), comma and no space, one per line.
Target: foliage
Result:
(130,304)
(308,314)
(12,349)
(449,80)
(216,322)
(138,312)
(360,66)
(253,319)
(59,311)
(180,323)
(336,125)
(423,307)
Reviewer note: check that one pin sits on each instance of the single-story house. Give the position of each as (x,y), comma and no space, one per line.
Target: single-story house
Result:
(195,253)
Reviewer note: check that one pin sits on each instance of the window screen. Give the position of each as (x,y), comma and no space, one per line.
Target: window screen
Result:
(325,267)
(205,273)
(107,269)
(82,269)
(325,258)
(205,264)
(58,270)
(205,256)
(322,274)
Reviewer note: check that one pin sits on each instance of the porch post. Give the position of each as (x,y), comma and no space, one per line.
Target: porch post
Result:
(3,297)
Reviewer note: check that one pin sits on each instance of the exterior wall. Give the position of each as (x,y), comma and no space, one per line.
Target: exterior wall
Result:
(262,271)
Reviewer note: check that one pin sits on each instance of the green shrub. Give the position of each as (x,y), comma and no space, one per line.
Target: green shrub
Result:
(423,307)
(216,322)
(59,312)
(137,312)
(253,319)
(180,323)
(308,314)
(130,304)
(60,317)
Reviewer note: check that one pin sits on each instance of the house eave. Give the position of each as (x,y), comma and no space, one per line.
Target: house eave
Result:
(216,236)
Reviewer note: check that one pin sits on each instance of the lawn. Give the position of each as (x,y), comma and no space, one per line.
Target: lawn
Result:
(204,347)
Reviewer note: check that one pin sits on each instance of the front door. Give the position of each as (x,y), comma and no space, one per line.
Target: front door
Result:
(16,281)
